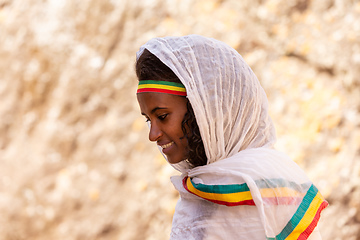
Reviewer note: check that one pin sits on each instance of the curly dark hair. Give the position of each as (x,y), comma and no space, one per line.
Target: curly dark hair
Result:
(148,66)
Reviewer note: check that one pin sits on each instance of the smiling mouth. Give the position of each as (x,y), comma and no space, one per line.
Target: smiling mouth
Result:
(166,145)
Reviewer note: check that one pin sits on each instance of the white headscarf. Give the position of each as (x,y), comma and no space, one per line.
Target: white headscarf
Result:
(231,110)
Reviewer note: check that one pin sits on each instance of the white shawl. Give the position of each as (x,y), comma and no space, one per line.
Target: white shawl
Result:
(247,190)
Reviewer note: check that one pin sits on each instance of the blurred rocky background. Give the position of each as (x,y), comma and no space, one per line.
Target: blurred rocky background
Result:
(75,159)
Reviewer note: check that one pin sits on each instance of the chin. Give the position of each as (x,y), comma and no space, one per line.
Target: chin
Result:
(173,161)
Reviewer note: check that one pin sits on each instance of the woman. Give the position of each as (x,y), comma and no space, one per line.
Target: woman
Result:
(209,116)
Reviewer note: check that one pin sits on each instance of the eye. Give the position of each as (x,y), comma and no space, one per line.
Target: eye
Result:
(162,117)
(147,120)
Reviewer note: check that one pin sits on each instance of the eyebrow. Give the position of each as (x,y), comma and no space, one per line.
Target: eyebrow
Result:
(154,110)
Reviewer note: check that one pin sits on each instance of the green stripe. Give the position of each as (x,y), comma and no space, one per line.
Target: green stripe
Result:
(280,182)
(161,83)
(299,214)
(234,188)
(222,189)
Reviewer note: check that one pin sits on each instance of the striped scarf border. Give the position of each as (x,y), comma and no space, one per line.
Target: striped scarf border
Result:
(306,217)
(302,223)
(229,195)
(273,192)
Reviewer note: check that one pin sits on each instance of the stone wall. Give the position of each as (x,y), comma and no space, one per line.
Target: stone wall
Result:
(75,159)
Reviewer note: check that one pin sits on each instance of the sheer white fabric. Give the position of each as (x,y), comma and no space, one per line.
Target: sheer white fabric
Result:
(231,110)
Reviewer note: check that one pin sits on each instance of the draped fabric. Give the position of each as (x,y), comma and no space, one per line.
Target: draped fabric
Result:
(247,190)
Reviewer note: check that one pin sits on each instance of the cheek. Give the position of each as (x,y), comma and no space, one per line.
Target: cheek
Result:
(179,130)
(181,136)
(174,131)
(178,134)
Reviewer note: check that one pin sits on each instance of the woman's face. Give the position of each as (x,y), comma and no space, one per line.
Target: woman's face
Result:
(165,112)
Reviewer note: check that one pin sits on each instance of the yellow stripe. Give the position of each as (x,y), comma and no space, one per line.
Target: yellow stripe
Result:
(230,197)
(280,192)
(308,217)
(241,196)
(180,89)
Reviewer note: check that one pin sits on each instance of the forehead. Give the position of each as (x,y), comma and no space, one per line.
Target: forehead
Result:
(149,100)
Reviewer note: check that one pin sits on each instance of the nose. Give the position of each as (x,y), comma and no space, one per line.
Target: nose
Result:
(155,132)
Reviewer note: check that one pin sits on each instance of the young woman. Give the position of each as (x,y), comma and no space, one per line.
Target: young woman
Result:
(209,115)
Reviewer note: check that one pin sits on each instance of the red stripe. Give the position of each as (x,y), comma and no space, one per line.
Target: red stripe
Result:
(282,200)
(232,204)
(161,91)
(305,234)
(184,184)
(245,202)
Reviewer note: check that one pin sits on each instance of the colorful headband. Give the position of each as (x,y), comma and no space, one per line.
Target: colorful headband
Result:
(161,87)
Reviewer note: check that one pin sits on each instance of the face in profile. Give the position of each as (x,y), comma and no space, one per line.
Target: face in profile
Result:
(165,112)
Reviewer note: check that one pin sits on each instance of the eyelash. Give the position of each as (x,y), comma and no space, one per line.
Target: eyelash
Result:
(161,118)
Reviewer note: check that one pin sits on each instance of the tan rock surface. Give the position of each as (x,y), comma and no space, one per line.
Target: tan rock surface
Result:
(75,159)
